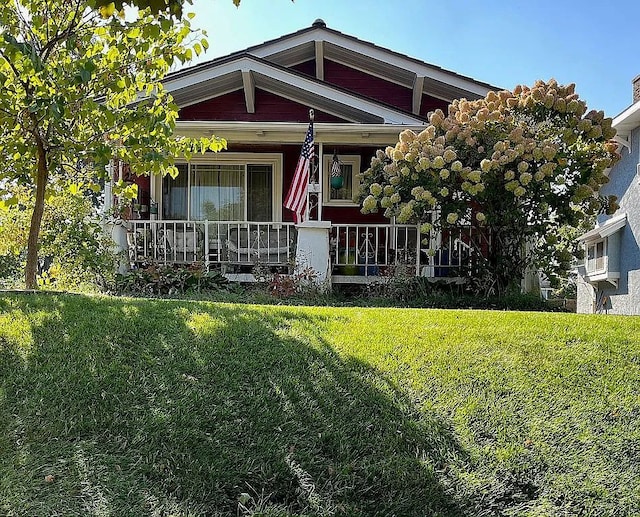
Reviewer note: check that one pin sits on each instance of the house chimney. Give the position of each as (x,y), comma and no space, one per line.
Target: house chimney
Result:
(636,89)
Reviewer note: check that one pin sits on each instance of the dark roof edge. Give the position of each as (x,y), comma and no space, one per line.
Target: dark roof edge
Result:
(317,26)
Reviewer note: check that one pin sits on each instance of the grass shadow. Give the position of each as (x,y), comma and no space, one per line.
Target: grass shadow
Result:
(159,408)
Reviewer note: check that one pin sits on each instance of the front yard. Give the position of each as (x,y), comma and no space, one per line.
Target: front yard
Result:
(150,407)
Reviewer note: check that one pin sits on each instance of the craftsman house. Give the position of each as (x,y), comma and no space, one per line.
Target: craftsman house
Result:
(609,279)
(226,209)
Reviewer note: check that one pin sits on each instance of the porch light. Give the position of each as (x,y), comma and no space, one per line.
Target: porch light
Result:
(337,180)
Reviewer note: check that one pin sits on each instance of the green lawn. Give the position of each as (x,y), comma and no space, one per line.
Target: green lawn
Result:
(151,407)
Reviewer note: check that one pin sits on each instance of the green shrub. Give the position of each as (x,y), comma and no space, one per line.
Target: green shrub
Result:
(74,251)
(157,279)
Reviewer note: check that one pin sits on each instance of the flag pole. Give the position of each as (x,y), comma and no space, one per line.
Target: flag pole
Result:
(312,172)
(297,199)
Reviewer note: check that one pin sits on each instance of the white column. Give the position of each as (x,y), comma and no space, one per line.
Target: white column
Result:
(312,251)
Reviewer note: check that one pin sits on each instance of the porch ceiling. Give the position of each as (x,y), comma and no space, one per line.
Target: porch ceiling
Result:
(375,135)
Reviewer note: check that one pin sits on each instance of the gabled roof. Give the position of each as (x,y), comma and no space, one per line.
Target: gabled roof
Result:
(246,71)
(268,66)
(609,227)
(627,121)
(382,62)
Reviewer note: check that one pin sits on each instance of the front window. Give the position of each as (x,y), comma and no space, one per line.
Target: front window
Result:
(233,190)
(217,192)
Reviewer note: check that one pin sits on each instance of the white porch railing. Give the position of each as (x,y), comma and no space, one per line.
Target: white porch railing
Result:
(356,250)
(211,242)
(372,249)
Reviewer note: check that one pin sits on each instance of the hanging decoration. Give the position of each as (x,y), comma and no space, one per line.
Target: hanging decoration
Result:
(336,173)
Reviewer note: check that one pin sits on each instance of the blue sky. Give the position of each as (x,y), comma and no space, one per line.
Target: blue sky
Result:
(504,43)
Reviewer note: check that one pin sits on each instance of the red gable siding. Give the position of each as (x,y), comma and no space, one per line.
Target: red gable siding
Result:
(269,108)
(306,68)
(430,104)
(372,87)
(368,85)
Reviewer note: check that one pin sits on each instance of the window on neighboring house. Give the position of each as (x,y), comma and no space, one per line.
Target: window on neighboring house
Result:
(350,168)
(596,256)
(233,190)
(603,248)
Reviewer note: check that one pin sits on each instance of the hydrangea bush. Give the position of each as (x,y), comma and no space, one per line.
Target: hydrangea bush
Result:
(517,166)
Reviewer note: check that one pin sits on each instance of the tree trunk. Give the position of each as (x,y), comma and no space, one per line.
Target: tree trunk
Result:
(42,177)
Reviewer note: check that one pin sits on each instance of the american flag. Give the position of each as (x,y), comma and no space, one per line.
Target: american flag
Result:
(296,199)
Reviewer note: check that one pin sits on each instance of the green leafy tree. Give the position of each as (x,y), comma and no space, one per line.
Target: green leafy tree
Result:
(516,166)
(73,244)
(174,7)
(79,87)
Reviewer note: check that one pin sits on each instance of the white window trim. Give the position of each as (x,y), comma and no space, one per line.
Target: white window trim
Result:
(346,159)
(605,256)
(273,159)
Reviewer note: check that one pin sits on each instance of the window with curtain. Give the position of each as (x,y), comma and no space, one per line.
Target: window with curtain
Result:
(219,192)
(174,194)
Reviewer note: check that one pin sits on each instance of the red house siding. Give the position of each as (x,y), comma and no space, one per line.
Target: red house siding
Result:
(306,68)
(269,108)
(375,88)
(430,104)
(368,85)
(290,155)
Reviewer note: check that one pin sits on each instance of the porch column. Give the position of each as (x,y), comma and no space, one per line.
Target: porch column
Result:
(312,251)
(118,234)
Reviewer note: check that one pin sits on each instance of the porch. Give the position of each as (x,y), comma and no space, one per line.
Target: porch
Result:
(356,253)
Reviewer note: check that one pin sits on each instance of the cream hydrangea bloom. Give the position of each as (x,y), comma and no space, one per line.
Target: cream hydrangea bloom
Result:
(407,136)
(426,228)
(406,213)
(369,204)
(474,176)
(452,217)
(449,155)
(525,178)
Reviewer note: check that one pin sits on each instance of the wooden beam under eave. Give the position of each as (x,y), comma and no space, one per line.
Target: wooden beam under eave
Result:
(320,60)
(249,86)
(418,86)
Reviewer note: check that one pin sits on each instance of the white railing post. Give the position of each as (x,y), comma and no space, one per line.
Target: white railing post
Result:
(312,251)
(205,246)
